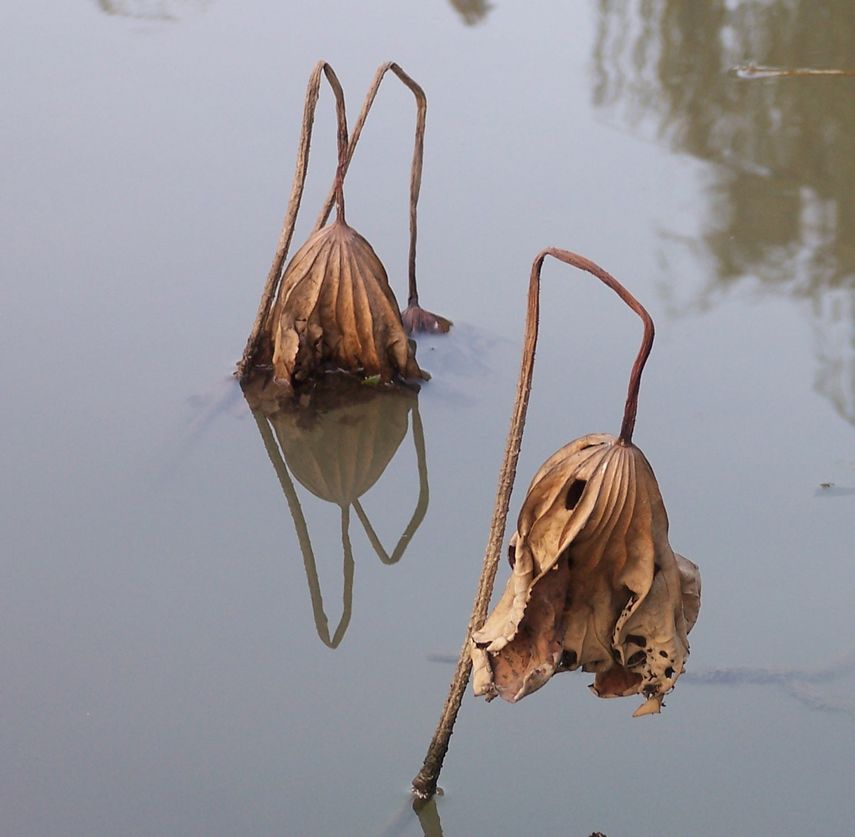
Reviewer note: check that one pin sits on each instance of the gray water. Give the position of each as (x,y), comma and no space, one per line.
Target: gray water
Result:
(162,634)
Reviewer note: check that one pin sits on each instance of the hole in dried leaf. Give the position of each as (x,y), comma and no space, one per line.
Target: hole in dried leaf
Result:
(512,555)
(669,672)
(637,639)
(568,659)
(574,493)
(663,653)
(636,659)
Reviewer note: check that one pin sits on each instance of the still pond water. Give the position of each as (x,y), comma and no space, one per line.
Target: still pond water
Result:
(177,659)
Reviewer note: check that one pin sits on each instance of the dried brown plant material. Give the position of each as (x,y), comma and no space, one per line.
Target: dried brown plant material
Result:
(594,582)
(332,307)
(592,525)
(336,309)
(414,317)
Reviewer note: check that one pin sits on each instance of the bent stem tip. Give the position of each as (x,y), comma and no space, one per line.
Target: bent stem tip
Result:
(575,260)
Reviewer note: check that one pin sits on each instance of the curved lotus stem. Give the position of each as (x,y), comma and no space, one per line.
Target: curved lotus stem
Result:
(575,260)
(424,784)
(421,504)
(321,622)
(426,321)
(272,284)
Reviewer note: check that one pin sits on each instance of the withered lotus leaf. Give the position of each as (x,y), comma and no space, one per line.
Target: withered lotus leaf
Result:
(335,308)
(595,583)
(332,307)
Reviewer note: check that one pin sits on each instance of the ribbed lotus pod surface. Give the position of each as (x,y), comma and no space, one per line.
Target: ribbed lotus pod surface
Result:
(335,309)
(594,584)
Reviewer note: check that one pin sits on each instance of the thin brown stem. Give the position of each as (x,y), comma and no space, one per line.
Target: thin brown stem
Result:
(424,784)
(575,260)
(271,286)
(416,168)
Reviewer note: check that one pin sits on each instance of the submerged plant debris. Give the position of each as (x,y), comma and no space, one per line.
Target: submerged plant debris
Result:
(332,307)
(595,583)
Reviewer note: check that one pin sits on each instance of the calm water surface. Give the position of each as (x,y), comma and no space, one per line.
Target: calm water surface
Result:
(180,656)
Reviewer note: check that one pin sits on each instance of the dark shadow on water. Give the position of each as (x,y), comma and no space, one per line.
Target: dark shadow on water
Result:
(472,11)
(780,206)
(810,686)
(828,489)
(153,10)
(336,443)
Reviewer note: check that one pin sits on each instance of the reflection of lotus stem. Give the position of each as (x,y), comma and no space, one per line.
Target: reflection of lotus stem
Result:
(424,784)
(427,814)
(273,277)
(321,622)
(418,157)
(421,505)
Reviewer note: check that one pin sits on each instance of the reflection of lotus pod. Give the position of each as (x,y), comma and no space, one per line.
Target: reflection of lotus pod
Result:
(338,443)
(335,308)
(343,451)
(595,583)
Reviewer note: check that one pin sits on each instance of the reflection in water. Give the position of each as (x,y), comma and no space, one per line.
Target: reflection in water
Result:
(472,11)
(809,686)
(153,9)
(783,148)
(426,812)
(337,445)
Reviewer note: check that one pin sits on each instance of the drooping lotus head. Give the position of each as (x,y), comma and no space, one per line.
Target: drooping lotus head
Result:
(332,306)
(335,309)
(595,583)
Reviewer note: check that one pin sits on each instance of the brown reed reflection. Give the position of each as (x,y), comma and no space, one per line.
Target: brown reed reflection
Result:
(782,148)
